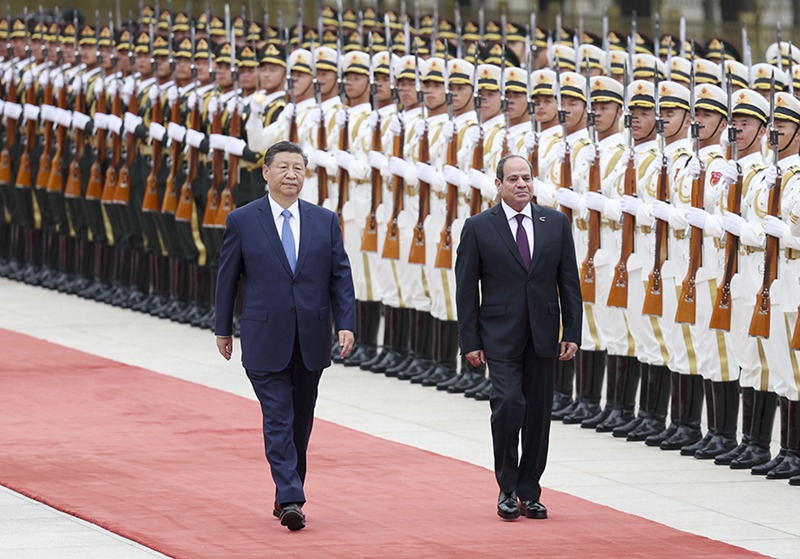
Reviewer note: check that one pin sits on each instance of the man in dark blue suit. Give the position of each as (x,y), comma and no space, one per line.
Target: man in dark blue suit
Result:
(515,264)
(295,275)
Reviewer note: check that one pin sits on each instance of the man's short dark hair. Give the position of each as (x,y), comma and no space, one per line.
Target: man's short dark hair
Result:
(281,147)
(500,164)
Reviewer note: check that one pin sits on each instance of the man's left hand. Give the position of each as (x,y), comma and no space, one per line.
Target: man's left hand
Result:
(225,346)
(568,351)
(346,339)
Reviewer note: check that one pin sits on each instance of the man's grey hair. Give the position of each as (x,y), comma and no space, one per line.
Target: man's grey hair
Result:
(283,147)
(501,164)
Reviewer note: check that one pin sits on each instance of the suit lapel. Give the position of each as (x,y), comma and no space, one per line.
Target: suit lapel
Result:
(268,225)
(539,234)
(501,224)
(306,224)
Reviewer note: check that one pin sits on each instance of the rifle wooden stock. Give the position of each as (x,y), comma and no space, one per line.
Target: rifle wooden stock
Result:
(369,239)
(588,274)
(110,184)
(344,176)
(293,131)
(391,243)
(721,313)
(687,301)
(170,202)
(43,174)
(25,172)
(94,191)
(150,201)
(654,296)
(73,186)
(618,294)
(122,194)
(11,130)
(212,196)
(759,323)
(566,180)
(186,201)
(226,203)
(417,253)
(533,159)
(794,343)
(55,182)
(322,172)
(444,251)
(477,164)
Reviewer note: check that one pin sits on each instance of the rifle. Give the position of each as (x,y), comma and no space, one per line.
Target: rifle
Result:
(322,138)
(11,129)
(73,187)
(170,202)
(25,172)
(186,200)
(150,201)
(344,140)
(293,131)
(759,323)
(45,159)
(503,99)
(94,190)
(588,275)
(217,162)
(369,239)
(226,203)
(721,313)
(417,253)
(687,301)
(533,156)
(618,294)
(55,182)
(391,243)
(444,251)
(109,189)
(477,153)
(654,296)
(566,165)
(122,194)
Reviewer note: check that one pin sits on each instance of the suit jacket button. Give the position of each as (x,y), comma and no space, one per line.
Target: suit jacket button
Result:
(294,282)
(292,309)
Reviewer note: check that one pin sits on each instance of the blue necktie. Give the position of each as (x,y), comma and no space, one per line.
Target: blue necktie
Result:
(287,240)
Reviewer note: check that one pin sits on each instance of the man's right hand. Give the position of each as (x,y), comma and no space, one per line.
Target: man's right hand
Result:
(225,346)
(476,358)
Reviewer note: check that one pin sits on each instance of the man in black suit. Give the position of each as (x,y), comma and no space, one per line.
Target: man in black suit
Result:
(295,275)
(515,263)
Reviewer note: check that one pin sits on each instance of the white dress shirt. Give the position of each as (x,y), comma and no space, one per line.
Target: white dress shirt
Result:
(294,222)
(527,223)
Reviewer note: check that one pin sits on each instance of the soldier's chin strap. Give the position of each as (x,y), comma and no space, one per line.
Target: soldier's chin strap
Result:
(716,128)
(680,127)
(791,140)
(754,138)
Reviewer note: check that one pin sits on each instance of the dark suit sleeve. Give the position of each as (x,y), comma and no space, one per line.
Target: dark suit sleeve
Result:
(230,268)
(468,272)
(342,292)
(569,288)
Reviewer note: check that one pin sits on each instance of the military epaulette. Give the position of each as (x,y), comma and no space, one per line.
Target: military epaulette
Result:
(751,174)
(466,126)
(645,162)
(612,163)
(274,109)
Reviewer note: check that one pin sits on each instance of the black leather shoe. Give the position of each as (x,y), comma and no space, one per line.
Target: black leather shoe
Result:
(619,417)
(764,469)
(648,428)
(658,438)
(728,457)
(690,449)
(470,380)
(533,509)
(788,468)
(685,435)
(508,506)
(277,510)
(623,431)
(717,446)
(403,365)
(484,394)
(752,456)
(292,517)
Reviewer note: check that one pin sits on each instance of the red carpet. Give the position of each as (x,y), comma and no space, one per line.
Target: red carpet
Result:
(179,467)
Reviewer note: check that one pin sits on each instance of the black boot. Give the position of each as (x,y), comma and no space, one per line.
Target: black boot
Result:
(726,414)
(402,342)
(387,348)
(757,452)
(644,406)
(690,402)
(658,390)
(611,397)
(591,370)
(764,469)
(563,388)
(674,414)
(368,342)
(435,351)
(357,353)
(708,394)
(748,398)
(626,383)
(421,342)
(447,365)
(471,377)
(790,466)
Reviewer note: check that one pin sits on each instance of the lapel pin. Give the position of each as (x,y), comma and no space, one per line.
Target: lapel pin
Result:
(541,218)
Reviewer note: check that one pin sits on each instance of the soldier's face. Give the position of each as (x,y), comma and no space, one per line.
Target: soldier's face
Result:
(676,121)
(749,130)
(36,50)
(202,70)
(302,83)
(406,89)
(123,62)
(271,76)
(576,112)
(711,123)
(18,46)
(248,78)
(355,85)
(223,74)
(88,54)
(143,65)
(490,103)
(606,116)
(183,68)
(434,94)
(162,67)
(462,96)
(384,92)
(517,104)
(546,108)
(788,134)
(643,123)
(105,54)
(327,81)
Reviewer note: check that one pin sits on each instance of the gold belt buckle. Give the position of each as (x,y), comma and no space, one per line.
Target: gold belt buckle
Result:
(581,224)
(679,234)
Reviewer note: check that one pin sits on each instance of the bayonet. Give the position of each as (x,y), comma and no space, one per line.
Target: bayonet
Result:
(780,45)
(590,115)
(657,38)
(448,95)
(459,40)
(632,47)
(791,69)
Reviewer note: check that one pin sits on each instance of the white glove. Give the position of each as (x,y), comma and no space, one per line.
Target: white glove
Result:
(697,217)
(235,103)
(661,210)
(316,117)
(377,160)
(454,175)
(80,120)
(694,168)
(58,81)
(730,172)
(589,154)
(48,113)
(235,146)
(570,199)
(630,204)
(770,175)
(27,78)
(213,106)
(129,87)
(530,140)
(678,219)
(176,132)
(157,131)
(112,88)
(99,86)
(775,227)
(624,158)
(77,84)
(733,223)
(44,78)
(478,179)
(344,159)
(12,110)
(31,112)
(64,118)
(426,173)
(596,201)
(132,121)
(217,142)
(419,128)
(154,93)
(561,151)
(194,138)
(472,136)
(191,101)
(448,130)
(395,126)
(101,121)
(372,120)
(114,124)
(341,118)
(324,159)
(172,95)
(398,167)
